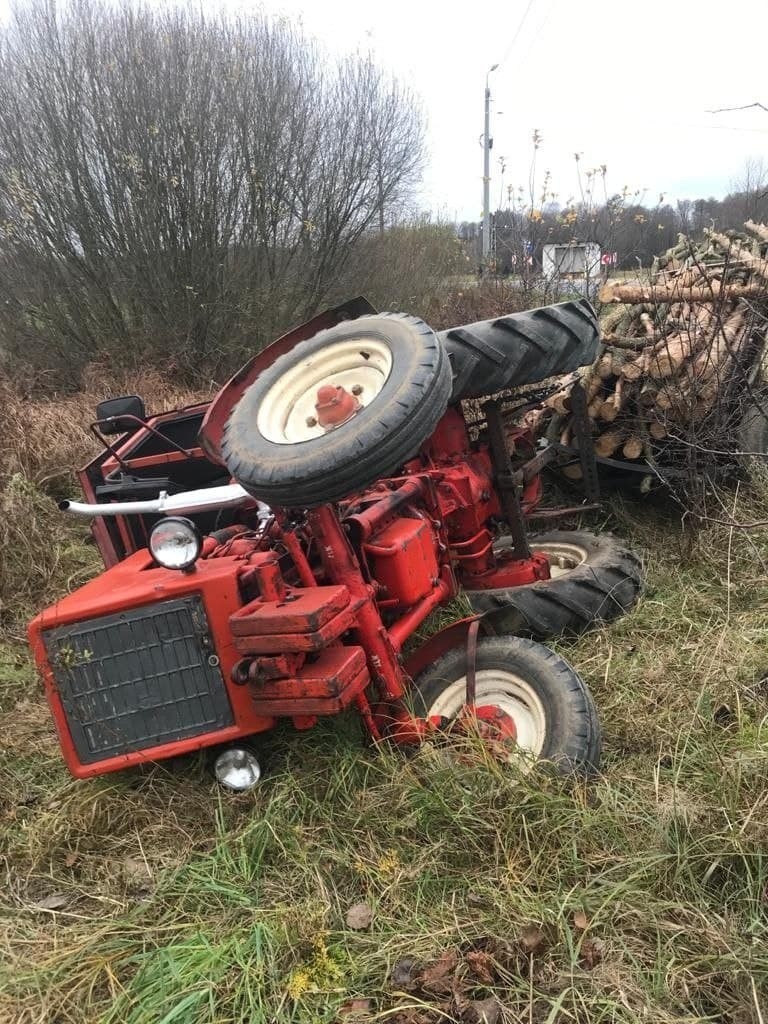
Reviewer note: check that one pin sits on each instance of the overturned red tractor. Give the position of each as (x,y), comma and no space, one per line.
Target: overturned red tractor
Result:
(273,554)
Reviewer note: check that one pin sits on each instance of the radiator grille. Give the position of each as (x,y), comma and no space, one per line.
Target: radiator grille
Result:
(138,678)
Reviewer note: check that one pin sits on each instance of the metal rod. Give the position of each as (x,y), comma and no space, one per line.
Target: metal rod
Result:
(228,496)
(583,432)
(505,484)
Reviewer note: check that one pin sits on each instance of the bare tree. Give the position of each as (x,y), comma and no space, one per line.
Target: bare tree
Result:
(179,187)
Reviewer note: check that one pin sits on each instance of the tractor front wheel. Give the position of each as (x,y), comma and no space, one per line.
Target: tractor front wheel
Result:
(548,703)
(594,578)
(339,411)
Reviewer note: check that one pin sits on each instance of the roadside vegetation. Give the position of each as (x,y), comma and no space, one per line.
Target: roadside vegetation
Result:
(150,896)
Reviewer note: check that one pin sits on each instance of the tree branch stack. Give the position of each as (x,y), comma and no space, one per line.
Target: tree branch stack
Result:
(673,347)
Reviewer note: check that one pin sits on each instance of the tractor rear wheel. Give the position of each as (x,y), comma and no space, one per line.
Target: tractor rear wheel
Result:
(381,382)
(549,704)
(594,579)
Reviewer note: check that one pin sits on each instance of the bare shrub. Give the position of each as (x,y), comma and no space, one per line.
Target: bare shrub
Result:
(176,189)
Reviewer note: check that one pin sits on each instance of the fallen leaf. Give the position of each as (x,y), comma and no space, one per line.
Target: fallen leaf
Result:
(136,871)
(580,920)
(591,952)
(71,859)
(481,1011)
(55,901)
(354,1006)
(436,978)
(481,965)
(531,938)
(404,973)
(359,916)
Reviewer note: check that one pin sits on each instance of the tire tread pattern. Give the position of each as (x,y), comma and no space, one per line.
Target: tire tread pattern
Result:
(600,590)
(522,348)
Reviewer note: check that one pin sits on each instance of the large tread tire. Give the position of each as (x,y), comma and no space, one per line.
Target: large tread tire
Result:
(373,444)
(602,588)
(521,348)
(572,738)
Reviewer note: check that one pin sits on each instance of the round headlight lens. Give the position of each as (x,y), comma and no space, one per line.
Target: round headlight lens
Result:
(237,769)
(175,543)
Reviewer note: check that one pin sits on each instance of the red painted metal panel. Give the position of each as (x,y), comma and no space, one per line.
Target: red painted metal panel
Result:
(134,582)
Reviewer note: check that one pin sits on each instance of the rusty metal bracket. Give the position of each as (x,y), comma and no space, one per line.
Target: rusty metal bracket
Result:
(472,632)
(581,427)
(504,479)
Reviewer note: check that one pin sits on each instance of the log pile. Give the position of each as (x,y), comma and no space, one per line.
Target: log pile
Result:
(673,347)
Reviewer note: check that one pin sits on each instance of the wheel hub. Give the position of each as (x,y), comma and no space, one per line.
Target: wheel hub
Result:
(335,406)
(324,390)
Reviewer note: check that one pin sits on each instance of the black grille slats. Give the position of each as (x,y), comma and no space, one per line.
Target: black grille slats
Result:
(138,678)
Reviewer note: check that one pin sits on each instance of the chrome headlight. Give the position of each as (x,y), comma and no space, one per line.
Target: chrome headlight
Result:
(237,769)
(175,543)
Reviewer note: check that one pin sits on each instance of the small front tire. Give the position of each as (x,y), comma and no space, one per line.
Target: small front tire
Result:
(551,706)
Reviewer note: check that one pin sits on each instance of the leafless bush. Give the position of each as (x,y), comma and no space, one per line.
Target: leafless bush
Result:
(407,267)
(178,188)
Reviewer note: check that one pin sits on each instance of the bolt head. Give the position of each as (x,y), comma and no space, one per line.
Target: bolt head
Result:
(357,389)
(311,421)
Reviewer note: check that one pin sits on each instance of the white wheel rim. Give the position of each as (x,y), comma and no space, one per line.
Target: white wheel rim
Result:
(505,690)
(562,557)
(287,410)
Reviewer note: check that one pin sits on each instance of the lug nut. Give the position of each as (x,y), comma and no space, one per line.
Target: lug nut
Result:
(357,389)
(311,421)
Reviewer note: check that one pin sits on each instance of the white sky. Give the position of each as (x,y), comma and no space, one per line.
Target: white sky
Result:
(627,85)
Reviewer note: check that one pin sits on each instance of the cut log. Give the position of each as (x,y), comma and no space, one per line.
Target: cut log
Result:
(633,369)
(604,368)
(756,264)
(761,230)
(657,430)
(671,356)
(611,407)
(711,292)
(648,324)
(594,407)
(633,447)
(727,340)
(607,443)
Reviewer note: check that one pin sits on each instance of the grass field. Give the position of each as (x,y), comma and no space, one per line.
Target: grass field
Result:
(151,897)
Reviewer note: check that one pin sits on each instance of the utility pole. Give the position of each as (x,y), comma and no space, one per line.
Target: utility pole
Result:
(487,143)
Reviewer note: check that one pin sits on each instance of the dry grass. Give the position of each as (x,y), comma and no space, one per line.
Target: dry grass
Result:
(41,442)
(150,898)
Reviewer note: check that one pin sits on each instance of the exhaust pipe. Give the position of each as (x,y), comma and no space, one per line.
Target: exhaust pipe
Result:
(228,496)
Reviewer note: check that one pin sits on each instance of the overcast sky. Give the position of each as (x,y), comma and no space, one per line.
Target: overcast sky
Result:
(626,85)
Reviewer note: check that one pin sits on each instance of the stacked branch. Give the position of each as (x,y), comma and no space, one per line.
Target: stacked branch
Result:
(673,348)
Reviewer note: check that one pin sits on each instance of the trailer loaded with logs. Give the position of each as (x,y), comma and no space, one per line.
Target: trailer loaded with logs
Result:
(275,553)
(679,378)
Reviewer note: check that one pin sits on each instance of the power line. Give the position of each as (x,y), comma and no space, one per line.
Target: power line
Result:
(518,30)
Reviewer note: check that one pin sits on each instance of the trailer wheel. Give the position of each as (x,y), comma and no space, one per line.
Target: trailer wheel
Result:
(550,705)
(391,365)
(594,579)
